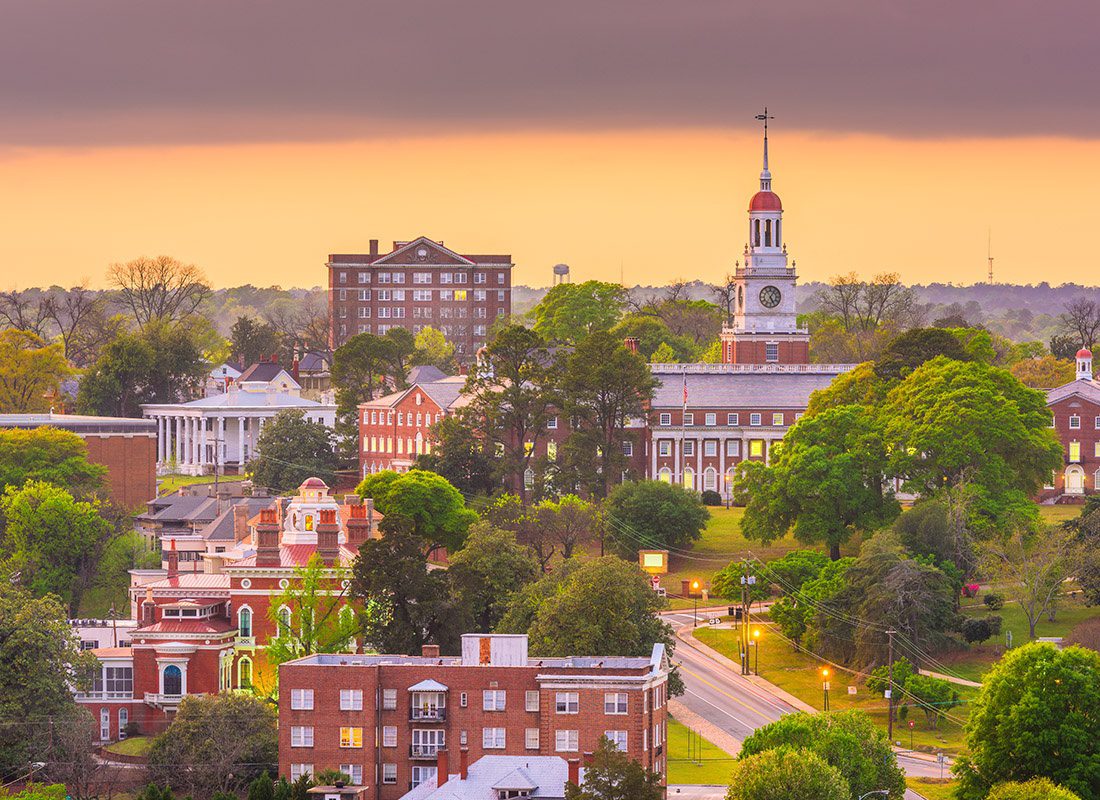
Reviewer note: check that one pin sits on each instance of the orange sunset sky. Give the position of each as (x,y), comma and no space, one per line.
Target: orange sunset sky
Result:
(618,138)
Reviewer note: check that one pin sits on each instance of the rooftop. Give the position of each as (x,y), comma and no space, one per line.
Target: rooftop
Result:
(543,776)
(738,389)
(78,423)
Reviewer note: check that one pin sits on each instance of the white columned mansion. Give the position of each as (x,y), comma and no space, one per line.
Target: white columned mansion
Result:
(222,431)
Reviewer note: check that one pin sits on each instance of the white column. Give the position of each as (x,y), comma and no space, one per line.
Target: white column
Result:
(678,444)
(202,440)
(723,486)
(160,441)
(219,459)
(653,446)
(177,423)
(240,440)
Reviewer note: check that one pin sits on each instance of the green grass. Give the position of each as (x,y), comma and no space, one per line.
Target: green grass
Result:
(800,674)
(1053,514)
(170,483)
(134,746)
(932,788)
(715,764)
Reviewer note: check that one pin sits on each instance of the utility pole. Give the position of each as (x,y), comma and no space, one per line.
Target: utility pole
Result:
(890,688)
(746,582)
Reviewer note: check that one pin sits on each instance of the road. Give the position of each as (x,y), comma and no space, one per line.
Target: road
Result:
(736,706)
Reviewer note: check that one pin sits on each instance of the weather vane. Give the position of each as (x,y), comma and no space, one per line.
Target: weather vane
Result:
(764,118)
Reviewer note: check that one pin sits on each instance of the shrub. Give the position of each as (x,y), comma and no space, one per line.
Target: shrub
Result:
(994,621)
(976,630)
(711,498)
(994,601)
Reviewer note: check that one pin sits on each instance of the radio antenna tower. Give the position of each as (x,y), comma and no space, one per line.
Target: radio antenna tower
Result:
(989,254)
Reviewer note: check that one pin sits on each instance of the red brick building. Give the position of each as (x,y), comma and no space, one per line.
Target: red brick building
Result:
(396,428)
(384,719)
(1075,410)
(419,284)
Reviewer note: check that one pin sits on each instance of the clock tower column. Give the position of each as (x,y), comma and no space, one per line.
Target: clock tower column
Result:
(764,328)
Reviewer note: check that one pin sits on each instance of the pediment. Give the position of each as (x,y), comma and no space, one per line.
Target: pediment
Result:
(423,250)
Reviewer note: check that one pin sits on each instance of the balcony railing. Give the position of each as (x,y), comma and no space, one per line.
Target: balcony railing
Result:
(105,695)
(428,751)
(161,700)
(428,714)
(245,641)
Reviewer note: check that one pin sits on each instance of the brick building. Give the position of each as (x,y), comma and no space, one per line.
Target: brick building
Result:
(1075,410)
(419,284)
(384,719)
(126,447)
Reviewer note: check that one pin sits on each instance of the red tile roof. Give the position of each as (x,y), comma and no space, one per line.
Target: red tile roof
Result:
(213,625)
(293,555)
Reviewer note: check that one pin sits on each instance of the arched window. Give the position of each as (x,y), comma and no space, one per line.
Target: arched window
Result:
(244,673)
(710,479)
(689,478)
(767,233)
(284,621)
(665,475)
(756,232)
(244,622)
(528,479)
(777,224)
(173,680)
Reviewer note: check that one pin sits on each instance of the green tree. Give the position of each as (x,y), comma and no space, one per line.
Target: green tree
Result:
(879,681)
(290,450)
(934,696)
(252,340)
(785,773)
(571,311)
(848,741)
(927,529)
(407,604)
(1034,717)
(433,348)
(727,583)
(459,456)
(51,455)
(647,515)
(1044,372)
(910,349)
(1030,567)
(40,663)
(826,481)
(1034,789)
(52,541)
(604,386)
(31,372)
(567,521)
(216,743)
(664,354)
(433,507)
(262,788)
(360,367)
(795,610)
(651,332)
(858,387)
(614,775)
(490,568)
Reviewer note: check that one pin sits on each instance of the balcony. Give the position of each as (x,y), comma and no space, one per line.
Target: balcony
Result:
(123,696)
(168,701)
(428,714)
(425,751)
(245,641)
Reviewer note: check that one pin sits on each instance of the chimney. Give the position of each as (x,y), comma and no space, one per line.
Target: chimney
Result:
(588,759)
(575,771)
(631,344)
(294,368)
(267,539)
(442,776)
(429,650)
(148,608)
(374,247)
(359,523)
(173,559)
(328,537)
(240,522)
(464,762)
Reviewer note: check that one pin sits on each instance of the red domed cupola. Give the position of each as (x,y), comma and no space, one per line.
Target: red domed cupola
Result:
(1084,352)
(765,201)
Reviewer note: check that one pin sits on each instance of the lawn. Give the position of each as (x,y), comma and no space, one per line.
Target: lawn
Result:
(800,674)
(167,484)
(932,788)
(134,746)
(694,760)
(1053,514)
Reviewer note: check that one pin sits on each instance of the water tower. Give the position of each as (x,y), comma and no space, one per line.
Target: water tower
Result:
(561,273)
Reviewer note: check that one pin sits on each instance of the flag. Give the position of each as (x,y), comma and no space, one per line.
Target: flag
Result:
(685,390)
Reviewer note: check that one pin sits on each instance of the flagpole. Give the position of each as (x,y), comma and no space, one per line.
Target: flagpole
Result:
(683,423)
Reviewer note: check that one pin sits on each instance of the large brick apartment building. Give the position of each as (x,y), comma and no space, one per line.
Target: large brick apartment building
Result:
(419,284)
(384,719)
(1075,412)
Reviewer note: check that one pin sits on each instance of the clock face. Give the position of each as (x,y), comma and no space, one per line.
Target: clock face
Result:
(770,296)
(422,253)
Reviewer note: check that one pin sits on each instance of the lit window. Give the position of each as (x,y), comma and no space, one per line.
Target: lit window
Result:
(1075,452)
(756,448)
(777,418)
(351,737)
(460,294)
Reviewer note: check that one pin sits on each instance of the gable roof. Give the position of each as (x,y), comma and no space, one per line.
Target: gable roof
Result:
(543,776)
(738,389)
(425,373)
(1086,390)
(264,372)
(404,254)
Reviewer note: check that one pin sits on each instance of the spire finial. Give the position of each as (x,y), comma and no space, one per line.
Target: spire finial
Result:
(765,175)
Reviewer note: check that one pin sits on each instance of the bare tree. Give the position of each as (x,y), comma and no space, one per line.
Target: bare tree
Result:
(1029,566)
(25,311)
(841,299)
(160,288)
(71,760)
(1082,319)
(725,295)
(81,320)
(302,326)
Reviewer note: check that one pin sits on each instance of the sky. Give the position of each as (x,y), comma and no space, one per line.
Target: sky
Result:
(254,138)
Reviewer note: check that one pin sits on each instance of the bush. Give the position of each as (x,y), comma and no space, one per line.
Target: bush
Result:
(976,630)
(712,498)
(1035,789)
(994,601)
(994,621)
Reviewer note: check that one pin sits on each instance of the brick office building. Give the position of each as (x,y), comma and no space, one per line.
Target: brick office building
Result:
(1075,410)
(384,719)
(415,285)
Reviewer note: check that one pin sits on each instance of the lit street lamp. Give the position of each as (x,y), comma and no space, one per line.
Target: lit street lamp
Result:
(825,686)
(756,645)
(695,586)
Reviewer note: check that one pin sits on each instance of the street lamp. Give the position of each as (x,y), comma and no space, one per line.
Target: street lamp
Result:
(729,490)
(695,585)
(756,645)
(825,686)
(883,792)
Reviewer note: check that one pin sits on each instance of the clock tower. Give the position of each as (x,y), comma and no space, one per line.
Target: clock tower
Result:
(764,327)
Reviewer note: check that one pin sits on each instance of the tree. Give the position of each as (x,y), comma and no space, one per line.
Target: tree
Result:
(252,341)
(910,349)
(651,332)
(1034,789)
(433,348)
(1082,321)
(664,354)
(614,775)
(216,743)
(159,289)
(783,773)
(407,604)
(1045,372)
(727,583)
(1030,566)
(513,395)
(359,367)
(459,456)
(930,529)
(1035,717)
(879,681)
(51,455)
(31,372)
(433,507)
(866,307)
(291,449)
(162,364)
(262,788)
(976,629)
(571,311)
(795,610)
(934,696)
(40,664)
(82,322)
(52,541)
(568,521)
(645,515)
(490,568)
(826,481)
(848,741)
(1064,347)
(303,325)
(25,311)
(605,386)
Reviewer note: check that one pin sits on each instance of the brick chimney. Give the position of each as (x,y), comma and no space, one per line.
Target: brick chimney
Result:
(441,766)
(328,536)
(374,247)
(148,608)
(631,344)
(429,650)
(240,522)
(267,539)
(173,558)
(359,523)
(464,762)
(574,771)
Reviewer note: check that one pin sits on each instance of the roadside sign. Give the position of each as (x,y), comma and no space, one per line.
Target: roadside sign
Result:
(851,690)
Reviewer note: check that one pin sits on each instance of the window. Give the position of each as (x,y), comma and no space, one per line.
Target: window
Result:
(244,622)
(565,741)
(462,700)
(552,423)
(689,447)
(756,448)
(712,419)
(389,773)
(492,738)
(389,699)
(422,277)
(422,775)
(364,277)
(531,701)
(1074,422)
(628,448)
(733,447)
(689,418)
(710,447)
(343,294)
(343,277)
(364,312)
(353,771)
(301,699)
(364,295)
(479,277)
(493,699)
(618,738)
(666,419)
(399,277)
(500,299)
(351,699)
(1097,450)
(771,352)
(460,277)
(301,736)
(754,419)
(664,447)
(389,736)
(528,479)
(351,737)
(123,721)
(551,451)
(566,703)
(446,277)
(427,742)
(298,770)
(422,295)
(399,295)
(460,294)
(689,479)
(119,681)
(531,738)
(1075,452)
(614,702)
(383,277)
(777,418)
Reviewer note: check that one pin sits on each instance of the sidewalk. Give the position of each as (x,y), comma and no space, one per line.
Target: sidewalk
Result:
(950,678)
